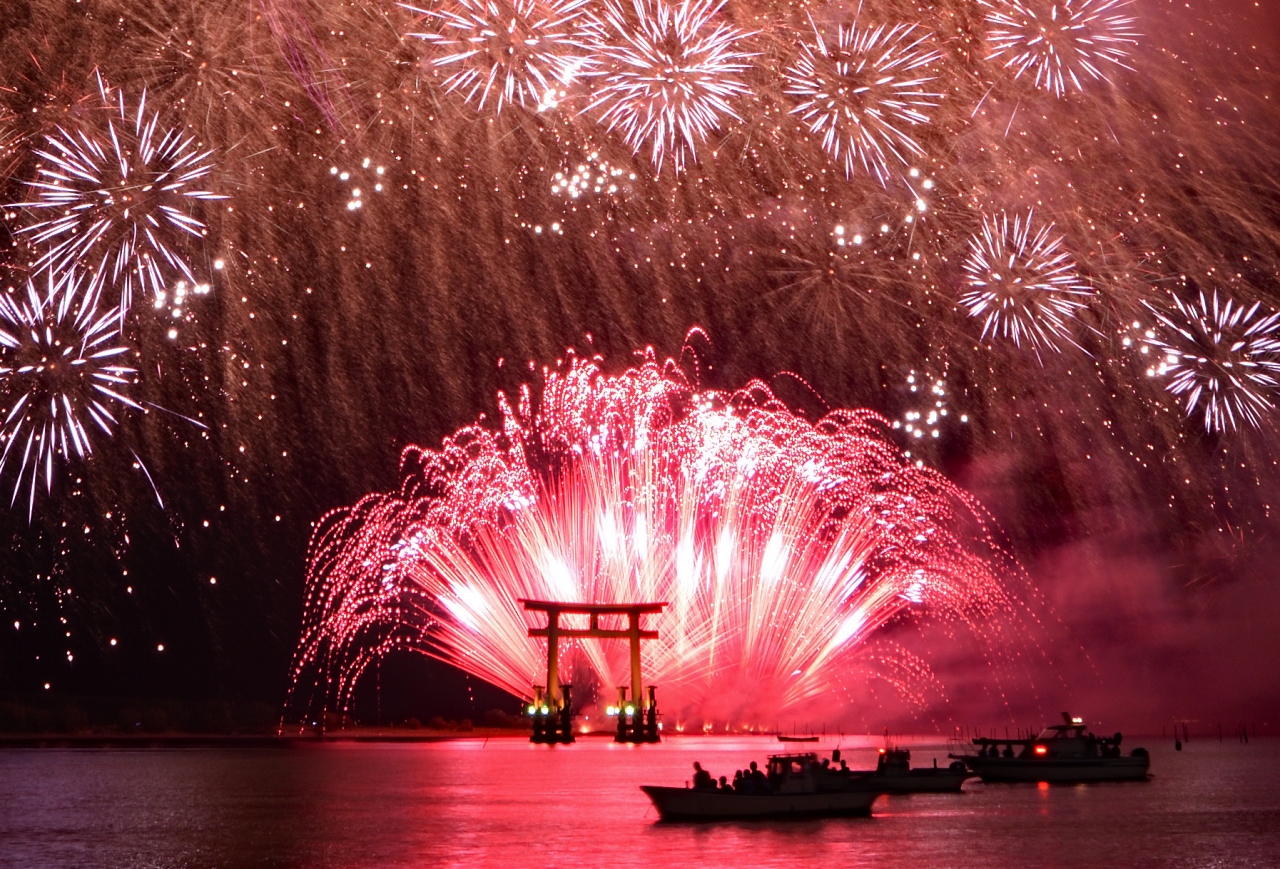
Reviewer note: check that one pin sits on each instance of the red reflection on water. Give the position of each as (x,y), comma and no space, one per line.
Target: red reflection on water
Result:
(478,803)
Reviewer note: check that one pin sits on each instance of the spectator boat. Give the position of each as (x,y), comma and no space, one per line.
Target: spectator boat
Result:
(795,786)
(1065,753)
(893,774)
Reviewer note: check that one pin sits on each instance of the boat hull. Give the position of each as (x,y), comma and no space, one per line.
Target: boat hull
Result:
(686,804)
(925,781)
(1059,770)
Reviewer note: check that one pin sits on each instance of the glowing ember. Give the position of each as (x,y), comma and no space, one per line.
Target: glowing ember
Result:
(781,545)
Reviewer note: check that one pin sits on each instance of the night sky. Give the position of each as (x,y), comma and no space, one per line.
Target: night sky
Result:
(333,336)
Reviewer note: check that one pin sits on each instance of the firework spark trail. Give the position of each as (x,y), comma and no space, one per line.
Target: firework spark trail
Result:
(781,545)
(1026,285)
(291,26)
(1061,43)
(511,51)
(8,149)
(1220,357)
(863,91)
(116,196)
(61,371)
(669,76)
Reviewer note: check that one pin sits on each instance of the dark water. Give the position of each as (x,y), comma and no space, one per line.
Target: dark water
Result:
(506,803)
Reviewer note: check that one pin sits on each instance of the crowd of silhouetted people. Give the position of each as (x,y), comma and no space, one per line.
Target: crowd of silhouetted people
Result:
(745,781)
(754,780)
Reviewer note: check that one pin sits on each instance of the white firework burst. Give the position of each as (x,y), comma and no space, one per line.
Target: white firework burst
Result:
(862,92)
(1222,359)
(510,51)
(1060,43)
(1023,283)
(671,74)
(61,373)
(119,197)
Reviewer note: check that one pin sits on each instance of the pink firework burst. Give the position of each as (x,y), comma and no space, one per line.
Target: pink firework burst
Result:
(670,74)
(1222,359)
(863,91)
(118,195)
(510,51)
(781,545)
(1023,284)
(62,372)
(1060,43)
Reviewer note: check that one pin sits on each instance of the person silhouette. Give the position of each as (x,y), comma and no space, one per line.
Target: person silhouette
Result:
(702,779)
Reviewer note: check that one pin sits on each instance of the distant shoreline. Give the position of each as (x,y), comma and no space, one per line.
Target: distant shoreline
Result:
(408,737)
(239,740)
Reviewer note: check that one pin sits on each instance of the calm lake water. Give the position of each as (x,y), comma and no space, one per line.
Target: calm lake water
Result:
(507,803)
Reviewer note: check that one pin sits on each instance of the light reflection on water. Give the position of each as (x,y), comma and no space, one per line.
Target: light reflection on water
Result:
(505,802)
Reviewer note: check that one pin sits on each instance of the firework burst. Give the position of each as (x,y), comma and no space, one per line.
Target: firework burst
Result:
(1024,285)
(185,49)
(205,58)
(1221,358)
(862,92)
(781,545)
(61,369)
(671,73)
(510,51)
(119,197)
(1060,43)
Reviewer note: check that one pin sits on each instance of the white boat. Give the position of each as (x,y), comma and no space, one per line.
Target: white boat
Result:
(799,787)
(1061,753)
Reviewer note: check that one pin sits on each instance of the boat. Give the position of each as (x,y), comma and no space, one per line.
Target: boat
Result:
(893,774)
(799,787)
(1061,753)
(782,738)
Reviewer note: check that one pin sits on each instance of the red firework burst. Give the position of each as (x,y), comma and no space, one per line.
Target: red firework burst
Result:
(781,545)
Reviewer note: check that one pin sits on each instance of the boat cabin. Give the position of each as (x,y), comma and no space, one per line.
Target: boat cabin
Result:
(793,773)
(1072,728)
(894,761)
(1071,739)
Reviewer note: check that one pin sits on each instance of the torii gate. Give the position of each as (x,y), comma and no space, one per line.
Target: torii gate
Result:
(634,633)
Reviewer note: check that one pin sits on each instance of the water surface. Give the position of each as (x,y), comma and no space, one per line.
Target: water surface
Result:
(507,803)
